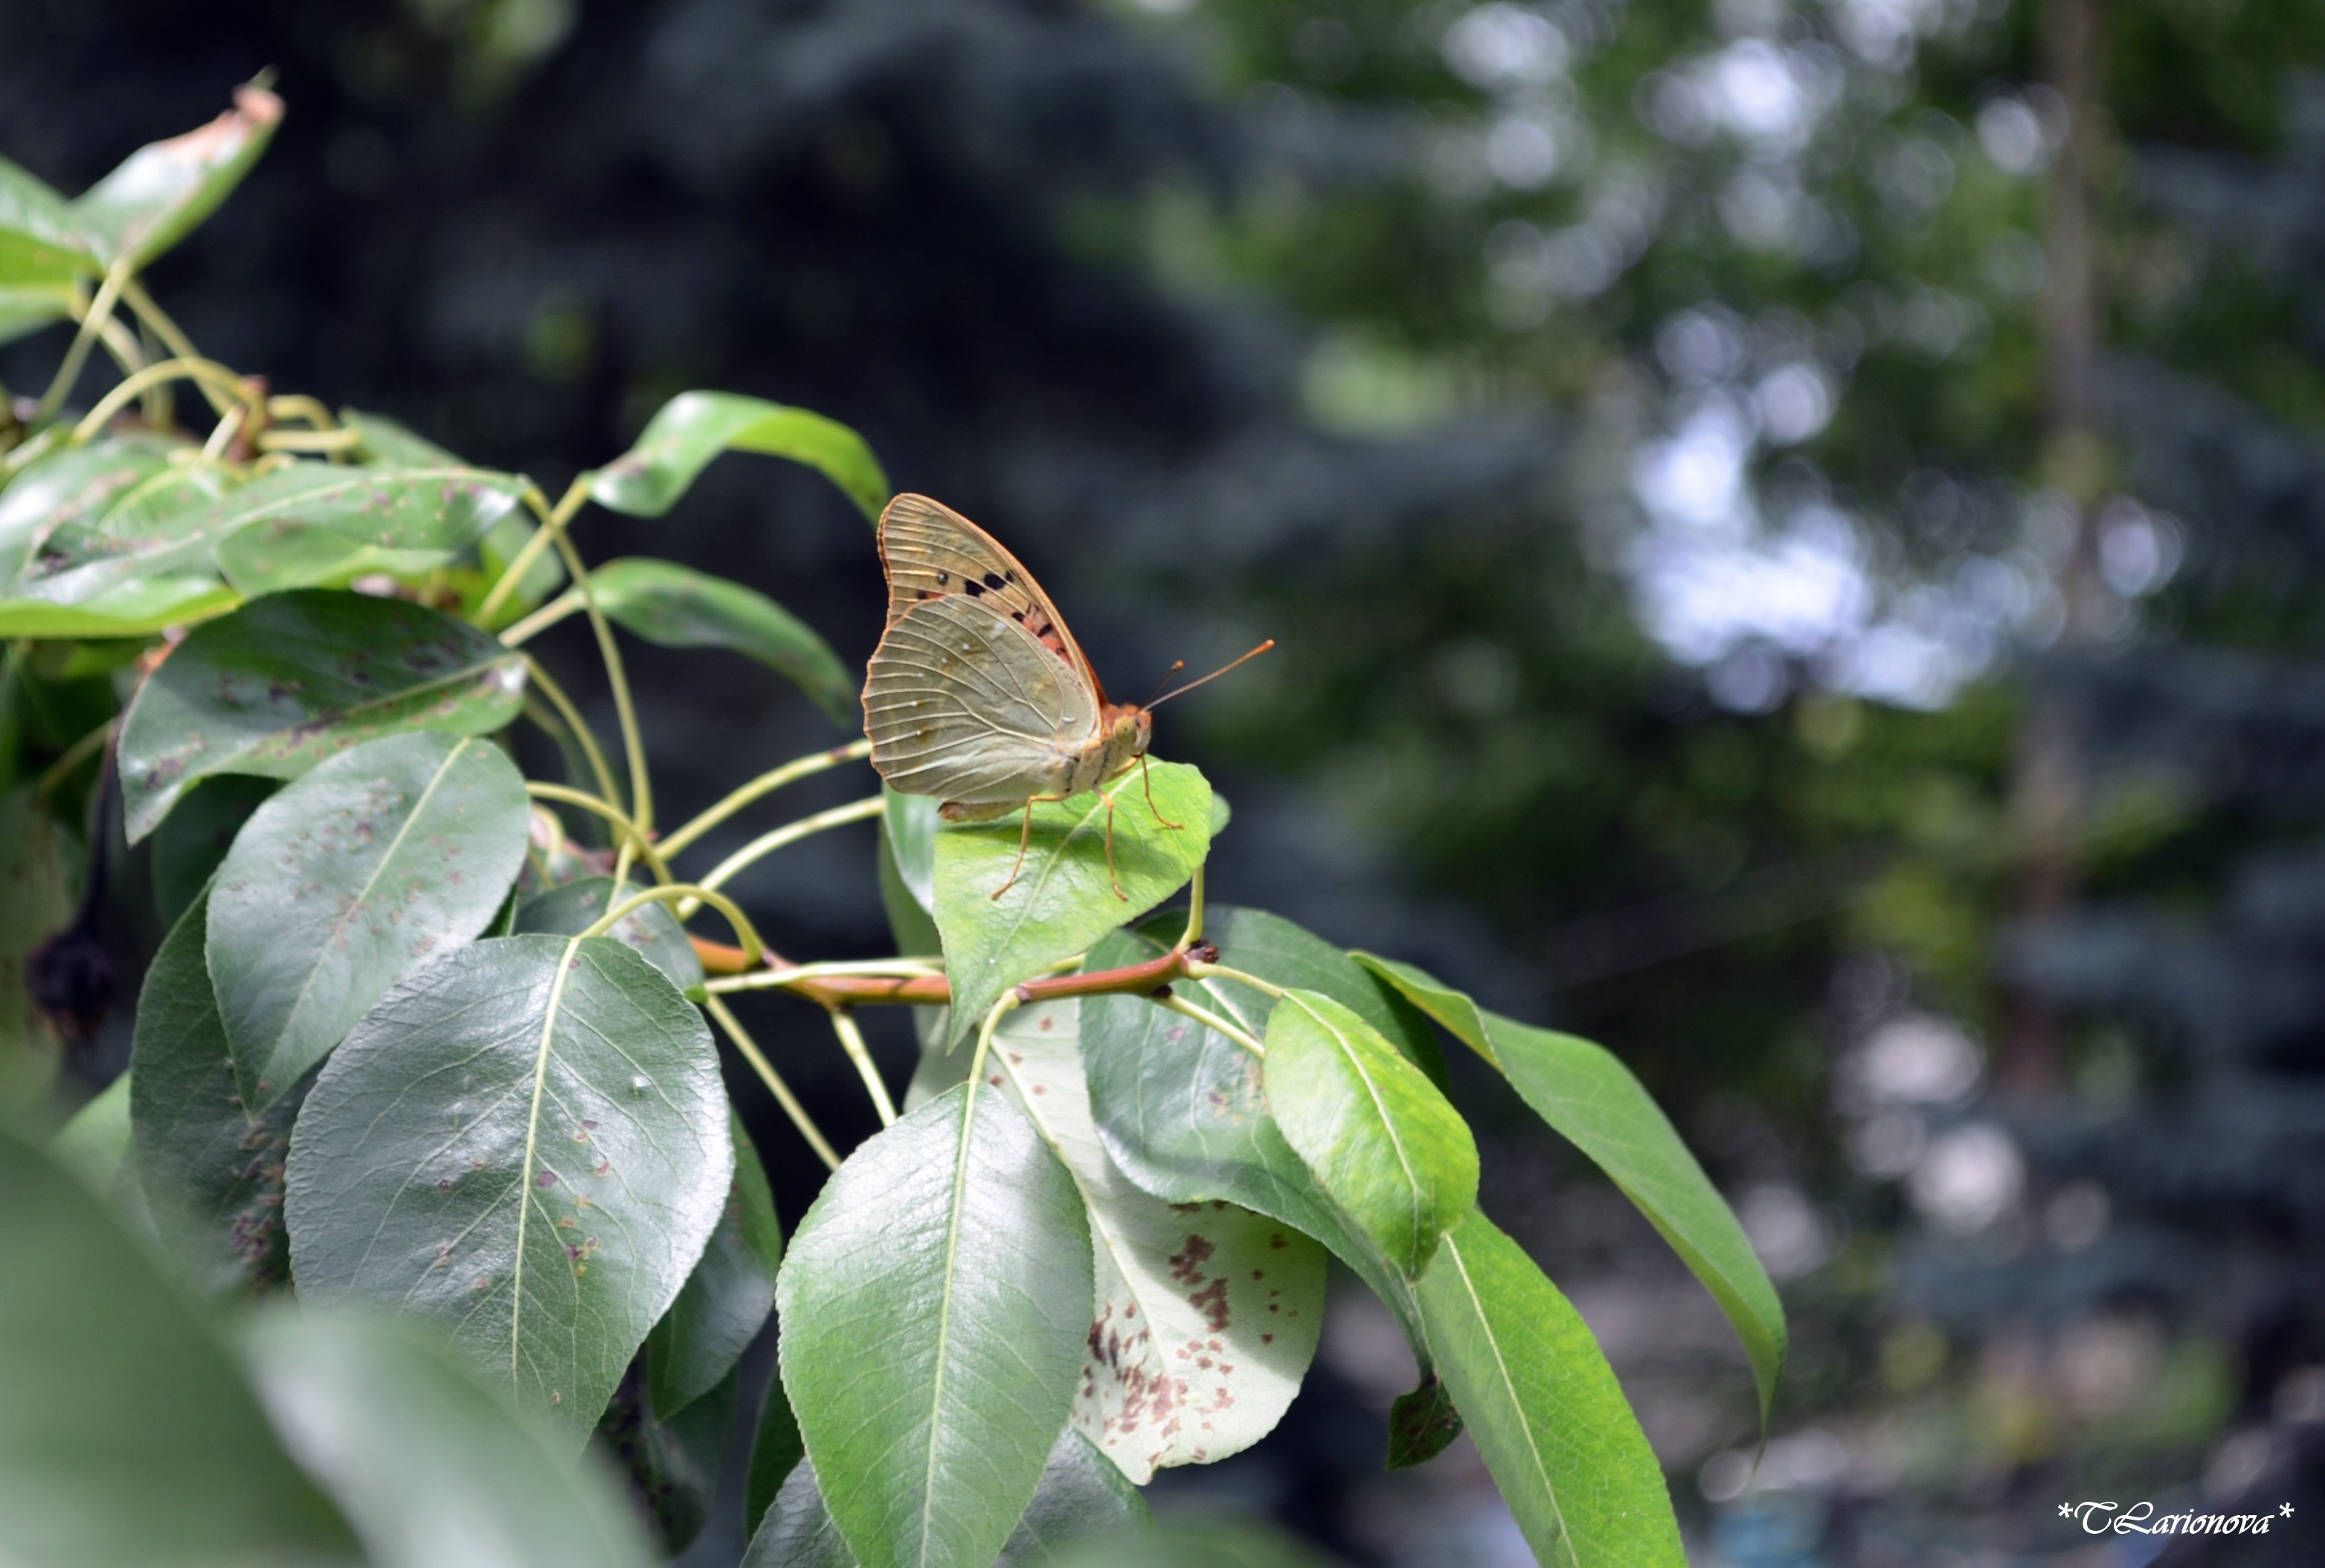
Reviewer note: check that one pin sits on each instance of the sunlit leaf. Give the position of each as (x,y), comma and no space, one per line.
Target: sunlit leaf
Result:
(212,1171)
(289,681)
(390,444)
(40,243)
(164,189)
(934,1304)
(679,608)
(349,879)
(127,1435)
(1592,1100)
(727,1298)
(1544,1407)
(1063,898)
(525,1143)
(72,485)
(694,427)
(30,308)
(572,908)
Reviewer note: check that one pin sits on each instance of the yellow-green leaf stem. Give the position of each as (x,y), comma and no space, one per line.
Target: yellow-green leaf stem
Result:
(765,783)
(799,1119)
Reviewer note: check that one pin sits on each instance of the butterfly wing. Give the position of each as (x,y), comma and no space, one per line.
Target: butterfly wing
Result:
(965,704)
(931,551)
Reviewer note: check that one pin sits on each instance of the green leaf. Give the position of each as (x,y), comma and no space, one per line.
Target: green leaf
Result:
(1544,1407)
(678,608)
(526,1144)
(430,1467)
(164,189)
(1080,1498)
(1206,1314)
(348,880)
(694,427)
(1421,1424)
(1390,1151)
(907,870)
(283,554)
(671,1467)
(729,1295)
(287,681)
(1063,898)
(572,908)
(69,486)
(38,901)
(127,1434)
(933,1304)
(136,609)
(30,308)
(212,1171)
(93,1143)
(776,1450)
(39,243)
(192,841)
(438,510)
(1592,1100)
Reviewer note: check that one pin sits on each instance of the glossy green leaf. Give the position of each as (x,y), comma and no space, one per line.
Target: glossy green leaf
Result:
(127,1434)
(727,1298)
(394,509)
(69,486)
(1080,1498)
(526,1144)
(1544,1407)
(29,307)
(164,189)
(39,241)
(135,609)
(392,445)
(348,880)
(283,554)
(907,854)
(1206,1314)
(679,608)
(35,900)
(212,1171)
(432,1470)
(1592,1100)
(1385,1146)
(694,427)
(776,1450)
(192,841)
(1063,898)
(572,908)
(287,681)
(934,1304)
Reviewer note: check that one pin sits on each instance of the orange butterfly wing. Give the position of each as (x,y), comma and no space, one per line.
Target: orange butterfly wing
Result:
(928,551)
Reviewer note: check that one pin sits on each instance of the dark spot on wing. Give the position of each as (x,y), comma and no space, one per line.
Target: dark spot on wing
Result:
(975,590)
(992,580)
(944,577)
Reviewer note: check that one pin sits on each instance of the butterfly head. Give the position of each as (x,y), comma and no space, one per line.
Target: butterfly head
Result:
(1130,726)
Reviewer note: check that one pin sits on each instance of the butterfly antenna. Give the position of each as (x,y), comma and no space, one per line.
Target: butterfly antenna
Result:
(1214,675)
(1177,666)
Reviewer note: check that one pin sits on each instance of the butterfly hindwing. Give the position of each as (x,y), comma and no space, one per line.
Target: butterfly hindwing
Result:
(931,552)
(965,704)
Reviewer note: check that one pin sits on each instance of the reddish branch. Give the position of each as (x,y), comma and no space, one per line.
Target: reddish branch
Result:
(1140,980)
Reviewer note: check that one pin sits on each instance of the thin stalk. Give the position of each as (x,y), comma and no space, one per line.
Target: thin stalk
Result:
(100,310)
(564,795)
(157,321)
(805,974)
(672,893)
(1208,971)
(765,783)
(767,844)
(851,1040)
(625,711)
(985,1031)
(554,522)
(775,1082)
(328,441)
(206,371)
(581,736)
(1194,910)
(298,405)
(78,753)
(229,425)
(541,619)
(1210,1020)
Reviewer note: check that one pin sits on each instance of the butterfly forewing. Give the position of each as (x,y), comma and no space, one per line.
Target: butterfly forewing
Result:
(965,704)
(931,552)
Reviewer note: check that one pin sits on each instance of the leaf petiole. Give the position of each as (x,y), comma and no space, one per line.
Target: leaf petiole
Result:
(767,843)
(1207,971)
(775,1082)
(851,1040)
(673,892)
(766,783)
(631,839)
(1212,1021)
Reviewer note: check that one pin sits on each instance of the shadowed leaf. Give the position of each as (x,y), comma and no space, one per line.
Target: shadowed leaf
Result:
(727,1298)
(35,900)
(679,608)
(694,427)
(572,908)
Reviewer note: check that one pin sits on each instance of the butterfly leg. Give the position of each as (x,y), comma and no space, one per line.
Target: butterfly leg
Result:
(1112,875)
(1148,780)
(1024,838)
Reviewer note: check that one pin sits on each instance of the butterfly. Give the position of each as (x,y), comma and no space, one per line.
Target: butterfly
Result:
(978,694)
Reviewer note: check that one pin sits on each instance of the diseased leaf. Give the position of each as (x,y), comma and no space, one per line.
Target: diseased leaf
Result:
(212,1173)
(1592,1100)
(934,1304)
(286,682)
(390,444)
(283,554)
(72,485)
(347,881)
(127,1435)
(1387,1147)
(192,841)
(440,510)
(1207,1313)
(1544,1407)
(1080,1498)
(136,609)
(433,1470)
(679,608)
(1063,898)
(164,189)
(694,427)
(526,1144)
(35,900)
(727,1298)
(572,908)
(1421,1424)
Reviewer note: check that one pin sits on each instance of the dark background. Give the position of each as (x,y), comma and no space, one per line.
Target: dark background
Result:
(1794,535)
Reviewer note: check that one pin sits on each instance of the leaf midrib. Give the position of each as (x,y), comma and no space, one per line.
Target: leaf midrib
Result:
(944,1314)
(566,959)
(1509,1386)
(1388,1123)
